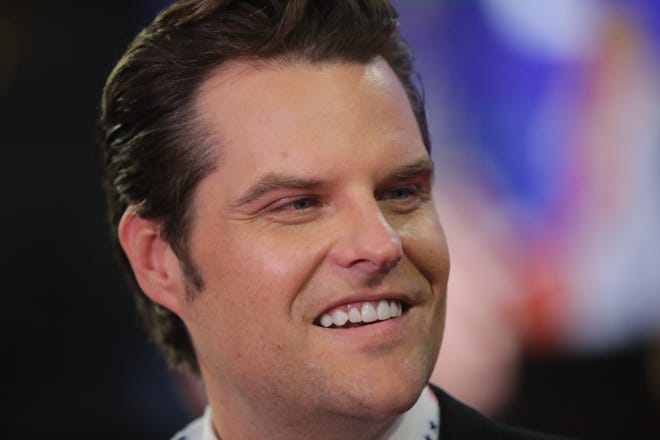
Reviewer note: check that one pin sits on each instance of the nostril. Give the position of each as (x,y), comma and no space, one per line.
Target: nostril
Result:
(383,252)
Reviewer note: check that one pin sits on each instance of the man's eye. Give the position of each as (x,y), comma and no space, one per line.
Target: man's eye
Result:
(401,193)
(293,210)
(300,204)
(402,199)
(303,204)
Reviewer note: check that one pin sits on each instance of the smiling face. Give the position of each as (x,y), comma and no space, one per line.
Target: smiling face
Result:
(324,262)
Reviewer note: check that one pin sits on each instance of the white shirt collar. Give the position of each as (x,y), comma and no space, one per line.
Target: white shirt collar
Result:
(422,421)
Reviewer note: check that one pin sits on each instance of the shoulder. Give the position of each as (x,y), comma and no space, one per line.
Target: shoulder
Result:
(459,421)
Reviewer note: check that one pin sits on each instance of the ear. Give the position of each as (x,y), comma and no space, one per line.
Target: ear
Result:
(154,263)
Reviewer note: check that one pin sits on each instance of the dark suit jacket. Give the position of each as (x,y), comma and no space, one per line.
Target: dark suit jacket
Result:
(460,422)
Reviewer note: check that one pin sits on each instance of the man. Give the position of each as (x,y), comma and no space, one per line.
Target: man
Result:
(269,184)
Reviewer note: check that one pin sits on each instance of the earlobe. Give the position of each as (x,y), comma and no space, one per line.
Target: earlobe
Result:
(154,263)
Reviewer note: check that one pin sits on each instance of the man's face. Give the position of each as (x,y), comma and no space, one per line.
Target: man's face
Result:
(318,211)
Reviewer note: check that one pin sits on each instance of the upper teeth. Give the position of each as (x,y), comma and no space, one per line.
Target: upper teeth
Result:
(368,312)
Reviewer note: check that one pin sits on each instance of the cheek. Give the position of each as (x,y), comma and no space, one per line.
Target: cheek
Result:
(249,302)
(424,242)
(242,259)
(257,275)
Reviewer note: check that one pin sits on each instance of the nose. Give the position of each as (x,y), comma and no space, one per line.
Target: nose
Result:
(366,240)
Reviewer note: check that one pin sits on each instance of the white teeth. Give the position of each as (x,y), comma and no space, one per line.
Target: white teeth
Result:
(398,306)
(354,314)
(383,310)
(394,310)
(369,313)
(339,317)
(326,320)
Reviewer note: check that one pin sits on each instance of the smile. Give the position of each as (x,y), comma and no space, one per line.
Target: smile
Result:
(358,314)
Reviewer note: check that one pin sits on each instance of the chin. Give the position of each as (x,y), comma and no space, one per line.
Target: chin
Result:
(395,398)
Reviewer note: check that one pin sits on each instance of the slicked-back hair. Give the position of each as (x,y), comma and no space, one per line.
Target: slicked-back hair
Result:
(153,146)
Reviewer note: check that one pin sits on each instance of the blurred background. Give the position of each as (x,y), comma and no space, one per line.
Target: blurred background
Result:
(545,121)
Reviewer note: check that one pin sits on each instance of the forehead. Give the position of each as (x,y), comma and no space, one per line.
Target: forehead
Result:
(320,113)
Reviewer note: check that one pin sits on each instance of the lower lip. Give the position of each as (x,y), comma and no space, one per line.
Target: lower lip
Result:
(380,331)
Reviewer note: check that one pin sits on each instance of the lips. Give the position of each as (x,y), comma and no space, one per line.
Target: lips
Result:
(361,313)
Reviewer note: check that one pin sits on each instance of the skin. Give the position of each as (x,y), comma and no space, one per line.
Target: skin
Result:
(321,197)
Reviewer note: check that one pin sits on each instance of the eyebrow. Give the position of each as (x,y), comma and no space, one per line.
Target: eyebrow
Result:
(275,181)
(419,167)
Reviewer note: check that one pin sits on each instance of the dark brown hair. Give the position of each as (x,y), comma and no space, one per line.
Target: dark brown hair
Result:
(153,150)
